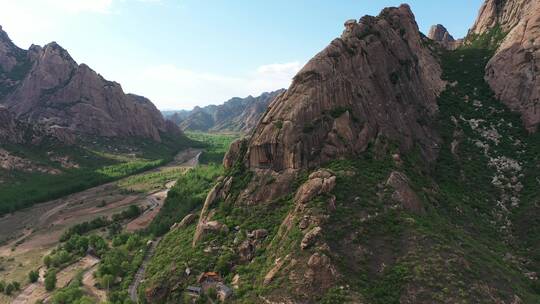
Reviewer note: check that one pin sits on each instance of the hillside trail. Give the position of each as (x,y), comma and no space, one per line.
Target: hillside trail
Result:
(40,236)
(150,252)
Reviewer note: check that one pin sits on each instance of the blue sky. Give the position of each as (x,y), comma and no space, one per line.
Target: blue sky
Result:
(182,53)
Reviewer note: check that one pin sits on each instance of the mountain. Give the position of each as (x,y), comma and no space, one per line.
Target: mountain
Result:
(441,35)
(388,172)
(513,29)
(176,116)
(45,86)
(235,115)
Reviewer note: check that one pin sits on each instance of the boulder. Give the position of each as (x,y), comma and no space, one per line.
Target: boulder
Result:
(258,234)
(320,272)
(278,263)
(310,238)
(246,251)
(403,193)
(319,182)
(187,220)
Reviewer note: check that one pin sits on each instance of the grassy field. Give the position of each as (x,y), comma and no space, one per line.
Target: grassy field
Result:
(215,145)
(98,161)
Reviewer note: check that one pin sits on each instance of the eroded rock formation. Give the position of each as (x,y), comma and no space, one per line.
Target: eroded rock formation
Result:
(513,71)
(377,80)
(441,35)
(45,86)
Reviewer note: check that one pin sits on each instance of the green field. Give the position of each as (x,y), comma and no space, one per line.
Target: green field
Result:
(215,145)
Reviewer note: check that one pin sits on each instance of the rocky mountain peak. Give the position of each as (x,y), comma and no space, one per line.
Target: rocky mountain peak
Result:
(377,81)
(441,35)
(512,72)
(51,89)
(9,52)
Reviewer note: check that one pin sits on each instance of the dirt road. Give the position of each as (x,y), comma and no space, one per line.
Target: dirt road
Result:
(140,273)
(36,230)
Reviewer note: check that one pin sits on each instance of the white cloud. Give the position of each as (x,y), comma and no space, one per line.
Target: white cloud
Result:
(171,87)
(78,6)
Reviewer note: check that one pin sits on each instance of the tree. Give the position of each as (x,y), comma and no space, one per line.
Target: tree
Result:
(50,280)
(114,229)
(107,281)
(33,276)
(2,286)
(16,285)
(9,289)
(47,261)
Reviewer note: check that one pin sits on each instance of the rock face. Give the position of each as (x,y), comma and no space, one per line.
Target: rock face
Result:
(45,86)
(505,13)
(10,130)
(403,192)
(236,114)
(441,35)
(377,80)
(513,71)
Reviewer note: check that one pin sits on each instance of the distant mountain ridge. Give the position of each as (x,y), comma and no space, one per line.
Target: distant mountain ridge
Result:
(235,115)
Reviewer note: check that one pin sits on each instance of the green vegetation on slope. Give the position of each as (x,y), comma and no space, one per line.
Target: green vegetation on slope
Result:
(477,240)
(122,254)
(99,161)
(215,145)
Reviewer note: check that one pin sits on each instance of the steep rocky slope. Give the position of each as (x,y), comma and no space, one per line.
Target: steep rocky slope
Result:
(513,28)
(377,80)
(388,172)
(235,115)
(10,130)
(45,86)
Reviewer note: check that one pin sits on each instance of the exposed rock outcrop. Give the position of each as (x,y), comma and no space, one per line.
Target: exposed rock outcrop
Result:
(513,72)
(440,34)
(377,80)
(10,131)
(233,153)
(403,193)
(504,13)
(45,86)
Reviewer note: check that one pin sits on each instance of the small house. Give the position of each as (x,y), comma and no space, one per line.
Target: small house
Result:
(194,290)
(209,277)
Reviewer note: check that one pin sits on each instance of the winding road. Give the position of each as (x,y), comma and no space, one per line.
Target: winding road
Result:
(54,217)
(150,252)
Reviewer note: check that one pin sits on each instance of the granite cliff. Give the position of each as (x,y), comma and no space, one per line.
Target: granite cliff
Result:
(45,86)
(513,27)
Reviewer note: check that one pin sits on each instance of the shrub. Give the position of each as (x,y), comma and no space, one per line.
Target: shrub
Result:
(50,280)
(9,289)
(33,276)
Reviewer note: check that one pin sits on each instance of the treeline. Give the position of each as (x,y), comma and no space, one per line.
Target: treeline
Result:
(132,212)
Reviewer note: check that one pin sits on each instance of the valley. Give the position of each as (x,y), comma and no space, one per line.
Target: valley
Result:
(35,231)
(396,168)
